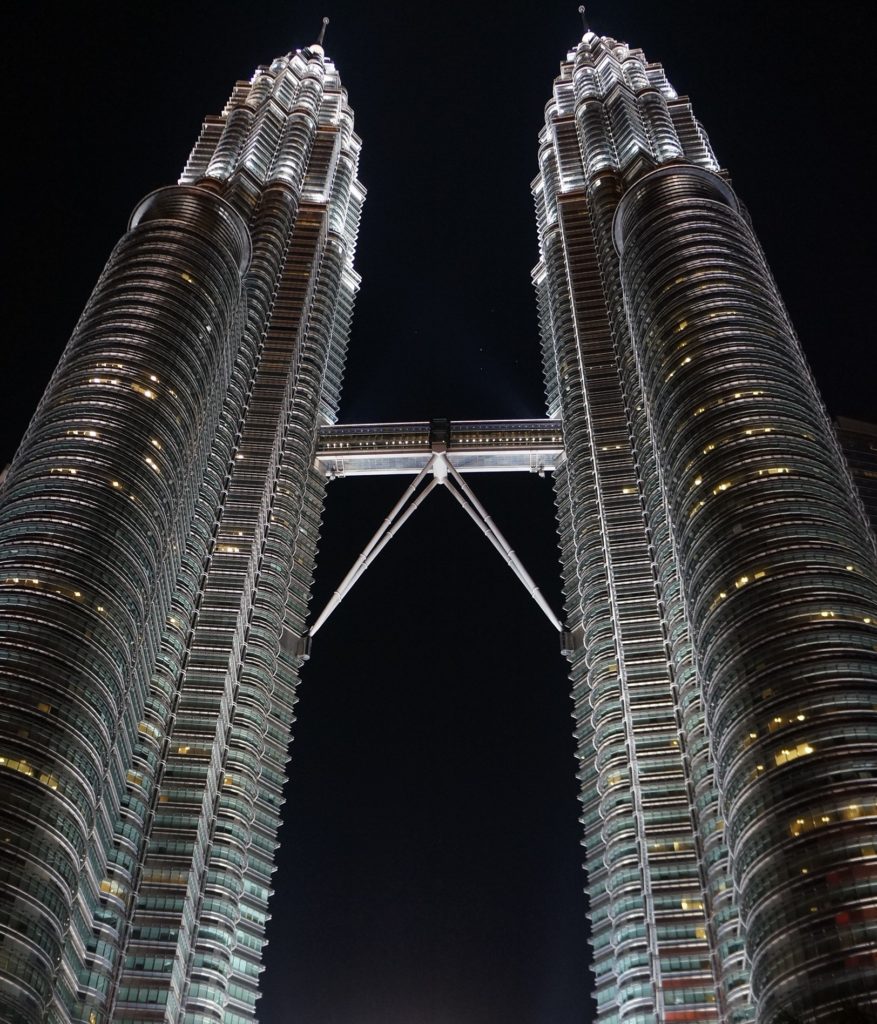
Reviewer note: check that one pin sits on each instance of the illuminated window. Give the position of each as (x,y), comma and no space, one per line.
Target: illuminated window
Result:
(793,753)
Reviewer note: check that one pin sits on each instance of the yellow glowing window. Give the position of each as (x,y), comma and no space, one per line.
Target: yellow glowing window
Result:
(112,887)
(793,753)
(45,708)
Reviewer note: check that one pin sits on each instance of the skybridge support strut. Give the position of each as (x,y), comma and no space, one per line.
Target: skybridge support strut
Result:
(379,541)
(489,528)
(443,473)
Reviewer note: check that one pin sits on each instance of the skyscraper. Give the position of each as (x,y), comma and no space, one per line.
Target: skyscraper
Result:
(158,527)
(719,577)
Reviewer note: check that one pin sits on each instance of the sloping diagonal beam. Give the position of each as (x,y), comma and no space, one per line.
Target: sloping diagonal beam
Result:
(444,472)
(385,532)
(488,527)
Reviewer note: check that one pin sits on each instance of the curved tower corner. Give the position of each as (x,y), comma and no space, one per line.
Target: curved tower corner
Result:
(720,577)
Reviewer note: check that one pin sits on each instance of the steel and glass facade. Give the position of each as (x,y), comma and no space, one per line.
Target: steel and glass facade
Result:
(720,579)
(158,530)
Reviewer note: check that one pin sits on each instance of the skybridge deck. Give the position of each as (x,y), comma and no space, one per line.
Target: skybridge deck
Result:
(474,446)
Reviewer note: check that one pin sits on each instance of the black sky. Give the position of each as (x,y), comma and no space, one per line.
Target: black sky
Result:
(430,868)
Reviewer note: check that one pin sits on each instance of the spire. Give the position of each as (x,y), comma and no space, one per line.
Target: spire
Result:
(322,34)
(584,15)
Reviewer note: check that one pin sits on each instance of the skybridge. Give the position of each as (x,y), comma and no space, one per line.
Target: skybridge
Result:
(473,446)
(437,453)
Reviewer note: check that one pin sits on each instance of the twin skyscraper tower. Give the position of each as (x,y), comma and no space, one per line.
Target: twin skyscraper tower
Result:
(159,526)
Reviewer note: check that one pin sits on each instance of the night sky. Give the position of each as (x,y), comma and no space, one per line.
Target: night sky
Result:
(430,864)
